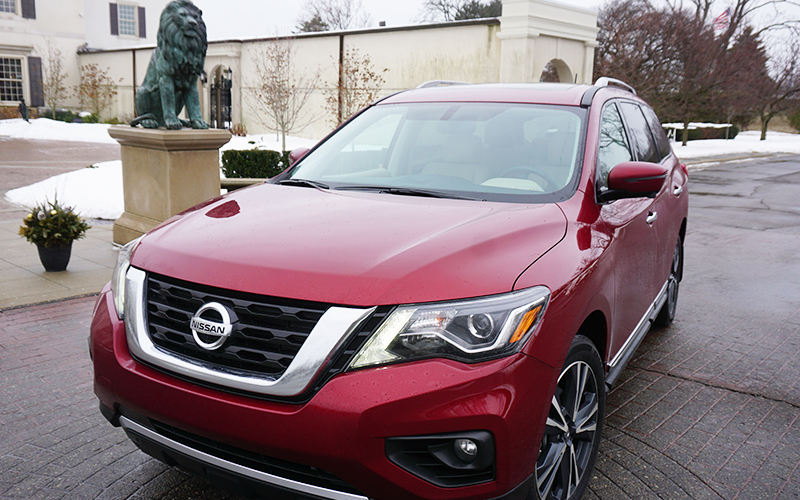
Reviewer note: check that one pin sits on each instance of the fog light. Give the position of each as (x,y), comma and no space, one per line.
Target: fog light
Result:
(466,450)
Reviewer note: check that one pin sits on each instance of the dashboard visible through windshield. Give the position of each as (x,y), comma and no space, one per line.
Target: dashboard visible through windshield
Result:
(482,151)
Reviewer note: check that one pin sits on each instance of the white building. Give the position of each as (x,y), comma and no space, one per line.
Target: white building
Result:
(28,26)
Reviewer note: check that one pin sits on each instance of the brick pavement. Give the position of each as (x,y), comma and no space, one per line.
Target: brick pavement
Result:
(54,444)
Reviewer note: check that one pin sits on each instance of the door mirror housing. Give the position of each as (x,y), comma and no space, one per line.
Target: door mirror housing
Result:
(634,179)
(296,154)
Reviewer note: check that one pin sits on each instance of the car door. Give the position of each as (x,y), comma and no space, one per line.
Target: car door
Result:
(672,200)
(631,223)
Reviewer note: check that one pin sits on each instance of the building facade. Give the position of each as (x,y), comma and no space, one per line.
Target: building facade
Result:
(517,47)
(33,31)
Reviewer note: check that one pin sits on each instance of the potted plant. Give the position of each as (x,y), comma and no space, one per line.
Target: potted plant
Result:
(53,228)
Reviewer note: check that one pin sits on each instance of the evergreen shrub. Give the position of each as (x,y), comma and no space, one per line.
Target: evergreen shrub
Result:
(253,163)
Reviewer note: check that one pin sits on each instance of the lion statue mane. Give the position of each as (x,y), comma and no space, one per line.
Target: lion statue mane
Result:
(171,79)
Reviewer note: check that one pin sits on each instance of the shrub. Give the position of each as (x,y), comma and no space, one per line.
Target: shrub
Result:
(64,115)
(711,133)
(794,119)
(92,118)
(253,163)
(239,130)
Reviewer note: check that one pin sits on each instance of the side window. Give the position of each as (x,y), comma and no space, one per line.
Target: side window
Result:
(641,137)
(662,141)
(614,148)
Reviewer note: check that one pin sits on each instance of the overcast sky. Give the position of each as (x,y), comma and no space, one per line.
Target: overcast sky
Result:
(241,19)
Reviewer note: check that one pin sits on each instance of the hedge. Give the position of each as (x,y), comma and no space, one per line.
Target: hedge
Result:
(709,133)
(253,163)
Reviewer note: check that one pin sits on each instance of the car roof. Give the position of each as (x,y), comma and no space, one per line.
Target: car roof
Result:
(566,94)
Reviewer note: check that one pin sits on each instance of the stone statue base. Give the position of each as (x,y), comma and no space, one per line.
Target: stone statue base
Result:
(164,172)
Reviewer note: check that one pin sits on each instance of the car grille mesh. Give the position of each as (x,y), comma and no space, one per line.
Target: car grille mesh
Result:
(268,335)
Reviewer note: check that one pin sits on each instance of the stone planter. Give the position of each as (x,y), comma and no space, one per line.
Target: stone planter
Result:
(56,258)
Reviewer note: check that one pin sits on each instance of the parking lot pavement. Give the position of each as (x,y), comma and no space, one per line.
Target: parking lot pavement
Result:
(708,409)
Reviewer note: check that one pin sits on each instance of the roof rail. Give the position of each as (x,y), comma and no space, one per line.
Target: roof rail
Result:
(605,81)
(440,83)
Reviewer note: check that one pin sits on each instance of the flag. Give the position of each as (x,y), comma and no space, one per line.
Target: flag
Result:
(721,22)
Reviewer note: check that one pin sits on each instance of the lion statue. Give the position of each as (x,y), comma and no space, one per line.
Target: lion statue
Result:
(171,79)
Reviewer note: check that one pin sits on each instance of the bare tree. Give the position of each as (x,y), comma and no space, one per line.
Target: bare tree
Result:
(280,93)
(678,61)
(96,89)
(53,76)
(777,93)
(458,10)
(359,86)
(325,15)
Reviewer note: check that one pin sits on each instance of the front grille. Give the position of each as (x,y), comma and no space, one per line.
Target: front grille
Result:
(268,335)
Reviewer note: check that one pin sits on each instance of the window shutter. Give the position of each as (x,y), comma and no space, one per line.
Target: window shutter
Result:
(29,9)
(112,7)
(35,73)
(142,26)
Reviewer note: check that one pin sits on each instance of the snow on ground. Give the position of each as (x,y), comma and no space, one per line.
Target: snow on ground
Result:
(97,192)
(52,130)
(744,143)
(94,192)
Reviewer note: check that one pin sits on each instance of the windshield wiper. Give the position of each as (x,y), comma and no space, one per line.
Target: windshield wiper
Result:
(303,183)
(426,193)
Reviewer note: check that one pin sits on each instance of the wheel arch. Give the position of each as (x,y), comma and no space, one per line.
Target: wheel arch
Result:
(595,328)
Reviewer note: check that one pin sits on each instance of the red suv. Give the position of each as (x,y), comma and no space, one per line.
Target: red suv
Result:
(429,304)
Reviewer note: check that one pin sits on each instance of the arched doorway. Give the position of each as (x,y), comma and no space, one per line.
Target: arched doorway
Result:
(556,71)
(220,98)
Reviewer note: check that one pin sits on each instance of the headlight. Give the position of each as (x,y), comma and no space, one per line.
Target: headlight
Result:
(467,330)
(118,277)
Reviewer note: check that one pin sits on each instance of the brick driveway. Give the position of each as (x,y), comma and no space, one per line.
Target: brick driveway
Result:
(709,408)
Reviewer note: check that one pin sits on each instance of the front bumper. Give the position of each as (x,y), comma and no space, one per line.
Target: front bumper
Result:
(342,430)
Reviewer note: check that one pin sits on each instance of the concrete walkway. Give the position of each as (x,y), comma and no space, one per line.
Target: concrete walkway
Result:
(24,281)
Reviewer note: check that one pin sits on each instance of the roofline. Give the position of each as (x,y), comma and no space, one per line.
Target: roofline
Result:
(488,21)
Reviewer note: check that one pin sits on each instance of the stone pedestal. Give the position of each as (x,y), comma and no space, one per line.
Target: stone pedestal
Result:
(164,172)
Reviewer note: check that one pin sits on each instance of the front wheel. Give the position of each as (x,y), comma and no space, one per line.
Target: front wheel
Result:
(574,426)
(667,313)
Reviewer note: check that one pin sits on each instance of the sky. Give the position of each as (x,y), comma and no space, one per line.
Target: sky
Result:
(241,19)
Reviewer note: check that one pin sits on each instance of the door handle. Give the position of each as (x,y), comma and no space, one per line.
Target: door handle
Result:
(678,190)
(651,217)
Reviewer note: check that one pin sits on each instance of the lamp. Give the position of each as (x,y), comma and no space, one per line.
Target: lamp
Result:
(229,73)
(204,77)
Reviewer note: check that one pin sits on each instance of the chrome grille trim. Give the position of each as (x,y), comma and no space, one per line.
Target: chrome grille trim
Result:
(131,426)
(333,329)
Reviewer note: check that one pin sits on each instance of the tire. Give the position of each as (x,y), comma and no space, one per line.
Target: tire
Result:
(667,313)
(569,449)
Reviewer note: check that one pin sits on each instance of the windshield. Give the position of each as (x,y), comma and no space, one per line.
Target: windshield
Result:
(484,151)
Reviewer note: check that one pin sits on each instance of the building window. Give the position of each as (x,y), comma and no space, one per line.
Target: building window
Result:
(10,79)
(127,19)
(8,6)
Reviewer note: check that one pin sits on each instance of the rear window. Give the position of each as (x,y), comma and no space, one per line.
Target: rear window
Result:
(641,137)
(483,151)
(662,141)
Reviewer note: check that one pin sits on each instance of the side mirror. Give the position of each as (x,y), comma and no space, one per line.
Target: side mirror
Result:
(634,179)
(296,154)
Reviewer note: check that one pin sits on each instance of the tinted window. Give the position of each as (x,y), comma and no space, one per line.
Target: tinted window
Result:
(613,148)
(641,137)
(662,141)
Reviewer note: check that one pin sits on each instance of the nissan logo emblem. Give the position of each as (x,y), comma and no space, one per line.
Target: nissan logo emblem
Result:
(203,328)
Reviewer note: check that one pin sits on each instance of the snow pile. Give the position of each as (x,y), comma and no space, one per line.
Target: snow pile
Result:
(744,143)
(94,192)
(52,130)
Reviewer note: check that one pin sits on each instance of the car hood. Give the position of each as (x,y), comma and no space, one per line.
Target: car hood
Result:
(352,248)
